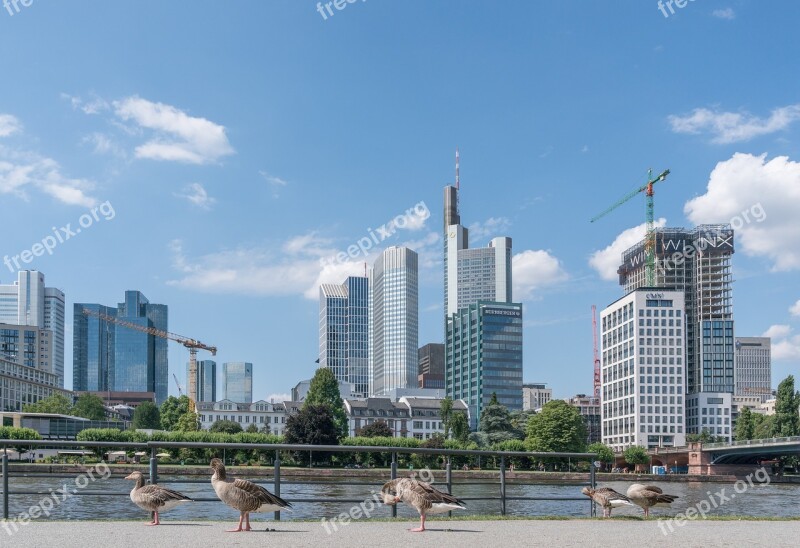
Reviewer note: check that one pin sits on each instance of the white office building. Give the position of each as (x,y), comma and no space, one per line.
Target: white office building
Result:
(535,396)
(753,367)
(28,302)
(262,414)
(643,370)
(394,316)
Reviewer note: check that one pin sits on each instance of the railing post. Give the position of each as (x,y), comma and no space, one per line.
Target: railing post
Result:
(277,479)
(592,485)
(503,485)
(153,467)
(5,484)
(448,478)
(394,476)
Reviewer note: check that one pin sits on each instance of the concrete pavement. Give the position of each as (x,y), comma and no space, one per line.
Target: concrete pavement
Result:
(442,534)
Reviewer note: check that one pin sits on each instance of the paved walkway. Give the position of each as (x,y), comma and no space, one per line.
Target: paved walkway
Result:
(457,534)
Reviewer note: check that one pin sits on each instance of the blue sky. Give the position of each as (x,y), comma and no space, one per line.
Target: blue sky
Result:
(239,143)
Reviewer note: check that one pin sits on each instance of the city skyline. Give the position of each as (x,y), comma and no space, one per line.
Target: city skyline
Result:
(221,189)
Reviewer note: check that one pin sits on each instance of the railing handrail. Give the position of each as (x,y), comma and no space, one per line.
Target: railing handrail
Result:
(742,443)
(154,444)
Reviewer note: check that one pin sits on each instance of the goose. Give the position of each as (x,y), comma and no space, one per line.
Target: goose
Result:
(607,498)
(425,498)
(648,496)
(154,498)
(244,496)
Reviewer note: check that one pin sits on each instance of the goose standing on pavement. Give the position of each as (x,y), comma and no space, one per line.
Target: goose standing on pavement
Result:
(244,496)
(425,498)
(648,496)
(607,498)
(154,498)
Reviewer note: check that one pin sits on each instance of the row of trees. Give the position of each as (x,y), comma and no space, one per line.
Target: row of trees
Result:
(87,406)
(784,423)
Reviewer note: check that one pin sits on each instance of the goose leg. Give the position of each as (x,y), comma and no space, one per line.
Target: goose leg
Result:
(247,521)
(241,518)
(421,527)
(155,519)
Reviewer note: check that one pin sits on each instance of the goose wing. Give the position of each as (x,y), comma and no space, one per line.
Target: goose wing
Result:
(605,496)
(155,496)
(433,495)
(256,494)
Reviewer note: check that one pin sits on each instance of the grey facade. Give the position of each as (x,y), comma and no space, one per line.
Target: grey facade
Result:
(206,381)
(754,367)
(237,382)
(431,366)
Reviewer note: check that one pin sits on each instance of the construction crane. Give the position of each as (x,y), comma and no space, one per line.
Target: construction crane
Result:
(650,240)
(192,344)
(596,355)
(180,388)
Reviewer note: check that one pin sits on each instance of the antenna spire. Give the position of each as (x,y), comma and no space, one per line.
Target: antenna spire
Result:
(458,178)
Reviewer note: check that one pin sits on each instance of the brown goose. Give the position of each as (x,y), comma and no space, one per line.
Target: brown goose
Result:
(425,498)
(648,496)
(244,496)
(607,498)
(154,498)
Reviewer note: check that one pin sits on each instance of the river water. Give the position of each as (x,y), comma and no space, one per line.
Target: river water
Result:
(766,500)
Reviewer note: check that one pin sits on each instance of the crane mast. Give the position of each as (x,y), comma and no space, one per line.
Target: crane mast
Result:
(596,355)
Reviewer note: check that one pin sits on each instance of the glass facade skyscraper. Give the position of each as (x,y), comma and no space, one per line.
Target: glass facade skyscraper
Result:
(237,382)
(344,331)
(394,305)
(140,362)
(206,381)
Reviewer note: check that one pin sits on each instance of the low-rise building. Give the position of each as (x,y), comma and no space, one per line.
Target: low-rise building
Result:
(52,426)
(535,396)
(21,385)
(408,417)
(262,414)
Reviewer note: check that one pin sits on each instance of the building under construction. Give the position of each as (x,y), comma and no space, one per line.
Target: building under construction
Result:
(698,262)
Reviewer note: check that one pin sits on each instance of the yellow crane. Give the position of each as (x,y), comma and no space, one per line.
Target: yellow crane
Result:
(192,344)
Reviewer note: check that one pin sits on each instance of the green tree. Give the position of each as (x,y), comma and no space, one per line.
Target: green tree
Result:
(519,419)
(172,410)
(324,390)
(460,427)
(378,429)
(496,422)
(446,413)
(558,427)
(226,427)
(147,416)
(604,453)
(787,401)
(90,406)
(745,425)
(252,429)
(762,426)
(312,425)
(636,455)
(188,422)
(57,403)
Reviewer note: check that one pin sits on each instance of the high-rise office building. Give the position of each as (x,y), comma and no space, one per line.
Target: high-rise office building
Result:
(753,367)
(206,380)
(643,370)
(535,396)
(477,286)
(344,331)
(394,311)
(237,382)
(140,361)
(93,348)
(28,302)
(431,366)
(26,345)
(698,263)
(589,408)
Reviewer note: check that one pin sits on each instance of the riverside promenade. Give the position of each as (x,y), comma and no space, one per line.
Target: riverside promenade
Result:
(442,534)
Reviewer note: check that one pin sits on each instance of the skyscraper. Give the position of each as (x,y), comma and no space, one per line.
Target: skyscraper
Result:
(28,302)
(698,263)
(139,359)
(753,367)
(394,305)
(483,327)
(237,382)
(344,331)
(206,381)
(431,366)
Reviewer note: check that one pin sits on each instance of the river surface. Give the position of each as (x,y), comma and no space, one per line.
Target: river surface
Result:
(109,499)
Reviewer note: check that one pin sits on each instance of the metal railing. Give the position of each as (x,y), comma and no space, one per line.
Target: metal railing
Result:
(155,446)
(745,443)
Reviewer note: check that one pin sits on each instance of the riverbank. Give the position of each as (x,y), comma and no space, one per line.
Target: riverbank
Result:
(332,474)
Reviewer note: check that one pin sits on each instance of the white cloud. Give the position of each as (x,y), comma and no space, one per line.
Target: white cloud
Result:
(197,195)
(785,345)
(278,398)
(103,144)
(8,125)
(533,271)
(760,199)
(726,13)
(276,183)
(795,309)
(21,171)
(178,136)
(490,228)
(734,127)
(606,261)
(94,106)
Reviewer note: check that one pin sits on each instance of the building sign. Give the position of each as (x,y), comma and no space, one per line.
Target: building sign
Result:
(502,312)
